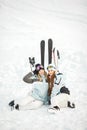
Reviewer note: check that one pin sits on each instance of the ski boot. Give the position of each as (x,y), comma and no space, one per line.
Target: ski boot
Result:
(11,104)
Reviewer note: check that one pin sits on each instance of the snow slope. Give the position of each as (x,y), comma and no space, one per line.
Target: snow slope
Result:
(23,24)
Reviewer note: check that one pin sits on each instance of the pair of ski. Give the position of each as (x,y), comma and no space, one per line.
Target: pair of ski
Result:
(42,48)
(51,54)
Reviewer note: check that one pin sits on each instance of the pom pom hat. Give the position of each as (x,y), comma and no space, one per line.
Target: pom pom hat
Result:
(38,67)
(51,67)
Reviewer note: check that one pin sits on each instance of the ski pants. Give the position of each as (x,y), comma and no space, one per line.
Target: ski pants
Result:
(29,103)
(60,100)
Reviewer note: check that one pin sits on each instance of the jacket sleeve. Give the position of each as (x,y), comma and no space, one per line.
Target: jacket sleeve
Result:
(30,78)
(59,79)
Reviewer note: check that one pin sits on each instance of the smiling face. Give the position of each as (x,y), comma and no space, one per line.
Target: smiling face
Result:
(41,72)
(51,72)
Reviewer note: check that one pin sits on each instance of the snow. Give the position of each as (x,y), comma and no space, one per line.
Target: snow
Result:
(23,24)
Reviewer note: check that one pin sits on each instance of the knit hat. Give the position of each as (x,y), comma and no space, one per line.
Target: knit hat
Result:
(51,67)
(38,67)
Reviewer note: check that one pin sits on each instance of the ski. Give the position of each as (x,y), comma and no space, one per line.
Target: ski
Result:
(50,45)
(56,57)
(42,51)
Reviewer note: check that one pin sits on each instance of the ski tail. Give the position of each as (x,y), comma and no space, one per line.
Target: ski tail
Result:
(42,50)
(50,45)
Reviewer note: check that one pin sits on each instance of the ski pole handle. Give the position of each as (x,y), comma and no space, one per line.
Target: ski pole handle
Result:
(32,62)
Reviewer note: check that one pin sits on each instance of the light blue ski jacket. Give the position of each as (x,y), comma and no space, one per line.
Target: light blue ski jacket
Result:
(40,91)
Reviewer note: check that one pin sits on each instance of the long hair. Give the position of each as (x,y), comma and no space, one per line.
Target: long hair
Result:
(40,77)
(50,83)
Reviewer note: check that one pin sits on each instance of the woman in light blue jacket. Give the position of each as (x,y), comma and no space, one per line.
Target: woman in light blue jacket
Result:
(39,94)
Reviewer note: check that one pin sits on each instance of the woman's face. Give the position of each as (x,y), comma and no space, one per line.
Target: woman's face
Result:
(51,72)
(41,72)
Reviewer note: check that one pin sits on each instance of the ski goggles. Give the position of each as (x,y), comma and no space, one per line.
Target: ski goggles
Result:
(39,67)
(50,67)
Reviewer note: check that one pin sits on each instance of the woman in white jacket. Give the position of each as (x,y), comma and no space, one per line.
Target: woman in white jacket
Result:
(59,95)
(39,94)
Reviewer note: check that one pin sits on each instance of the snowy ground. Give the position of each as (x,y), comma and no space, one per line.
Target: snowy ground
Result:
(23,24)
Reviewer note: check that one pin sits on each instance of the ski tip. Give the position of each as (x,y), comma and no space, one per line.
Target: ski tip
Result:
(42,41)
(50,40)
(53,49)
(58,54)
